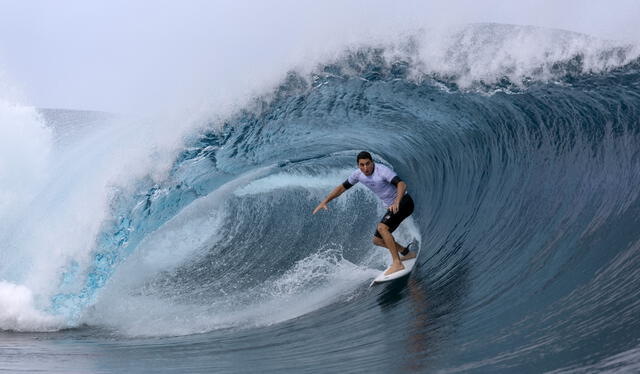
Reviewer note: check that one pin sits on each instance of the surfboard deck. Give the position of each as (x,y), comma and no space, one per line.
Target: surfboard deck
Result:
(408,266)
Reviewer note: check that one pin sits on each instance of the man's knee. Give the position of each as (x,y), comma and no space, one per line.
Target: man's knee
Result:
(378,241)
(382,228)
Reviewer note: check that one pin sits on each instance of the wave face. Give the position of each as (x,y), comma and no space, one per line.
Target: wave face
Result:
(526,207)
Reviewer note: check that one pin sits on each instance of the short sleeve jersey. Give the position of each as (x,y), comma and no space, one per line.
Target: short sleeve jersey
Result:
(379,182)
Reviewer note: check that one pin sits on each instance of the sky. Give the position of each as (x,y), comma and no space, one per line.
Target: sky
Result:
(139,56)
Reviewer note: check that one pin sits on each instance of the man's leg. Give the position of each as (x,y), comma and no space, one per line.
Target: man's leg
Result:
(390,243)
(380,243)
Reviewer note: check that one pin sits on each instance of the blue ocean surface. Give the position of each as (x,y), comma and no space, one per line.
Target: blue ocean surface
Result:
(527,212)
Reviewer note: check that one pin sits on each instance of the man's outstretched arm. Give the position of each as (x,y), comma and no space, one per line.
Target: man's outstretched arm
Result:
(332,195)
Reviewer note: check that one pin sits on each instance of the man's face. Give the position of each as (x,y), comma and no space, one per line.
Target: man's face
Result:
(366,166)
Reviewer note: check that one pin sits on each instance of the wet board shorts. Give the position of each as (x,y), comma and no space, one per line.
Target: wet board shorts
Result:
(394,220)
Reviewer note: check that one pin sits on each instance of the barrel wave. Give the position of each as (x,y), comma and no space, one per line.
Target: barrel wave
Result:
(526,197)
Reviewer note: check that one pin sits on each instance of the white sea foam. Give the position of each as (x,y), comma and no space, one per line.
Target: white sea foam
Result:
(55,198)
(18,311)
(316,281)
(486,53)
(489,52)
(327,265)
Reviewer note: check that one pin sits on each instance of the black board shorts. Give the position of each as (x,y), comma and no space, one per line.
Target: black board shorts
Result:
(393,220)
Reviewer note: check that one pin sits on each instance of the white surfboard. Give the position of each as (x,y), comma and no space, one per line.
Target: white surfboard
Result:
(408,266)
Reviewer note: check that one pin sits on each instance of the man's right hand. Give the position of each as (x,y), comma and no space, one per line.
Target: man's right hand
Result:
(322,205)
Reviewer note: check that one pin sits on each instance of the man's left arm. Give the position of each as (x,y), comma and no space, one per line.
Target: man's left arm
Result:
(402,187)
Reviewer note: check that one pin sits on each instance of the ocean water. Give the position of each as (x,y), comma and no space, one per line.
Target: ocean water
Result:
(192,248)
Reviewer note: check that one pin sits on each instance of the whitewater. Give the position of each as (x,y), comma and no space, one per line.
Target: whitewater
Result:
(187,244)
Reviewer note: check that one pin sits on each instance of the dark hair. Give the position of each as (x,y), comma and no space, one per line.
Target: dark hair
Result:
(364,155)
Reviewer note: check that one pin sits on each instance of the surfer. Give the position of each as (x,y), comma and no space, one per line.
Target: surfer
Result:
(386,184)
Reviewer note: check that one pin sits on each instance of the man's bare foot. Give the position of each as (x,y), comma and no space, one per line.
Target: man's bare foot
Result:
(393,268)
(409,256)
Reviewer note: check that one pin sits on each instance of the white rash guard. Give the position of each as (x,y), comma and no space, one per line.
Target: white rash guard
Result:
(380,182)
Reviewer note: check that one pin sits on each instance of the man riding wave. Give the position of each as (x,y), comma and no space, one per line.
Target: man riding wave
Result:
(385,184)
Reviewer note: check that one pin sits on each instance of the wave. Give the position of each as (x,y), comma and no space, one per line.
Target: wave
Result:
(522,162)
